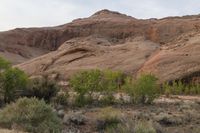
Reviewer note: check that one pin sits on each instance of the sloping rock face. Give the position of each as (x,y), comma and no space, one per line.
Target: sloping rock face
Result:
(167,47)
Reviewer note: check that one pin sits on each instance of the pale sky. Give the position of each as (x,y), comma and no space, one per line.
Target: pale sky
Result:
(38,13)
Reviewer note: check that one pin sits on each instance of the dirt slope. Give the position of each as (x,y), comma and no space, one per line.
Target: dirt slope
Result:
(168,47)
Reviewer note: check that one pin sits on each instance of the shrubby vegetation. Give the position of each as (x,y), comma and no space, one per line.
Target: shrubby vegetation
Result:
(4,64)
(131,126)
(88,82)
(178,88)
(13,81)
(108,118)
(143,90)
(42,88)
(61,98)
(85,83)
(144,127)
(32,115)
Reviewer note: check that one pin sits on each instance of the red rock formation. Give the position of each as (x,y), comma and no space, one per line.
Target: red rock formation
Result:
(168,47)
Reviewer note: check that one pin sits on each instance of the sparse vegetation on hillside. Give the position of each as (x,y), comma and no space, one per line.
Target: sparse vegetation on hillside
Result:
(31,115)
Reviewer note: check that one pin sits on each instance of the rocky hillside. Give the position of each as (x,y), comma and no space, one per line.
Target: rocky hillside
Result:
(167,47)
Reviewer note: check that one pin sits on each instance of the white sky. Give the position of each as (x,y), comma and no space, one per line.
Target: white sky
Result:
(38,13)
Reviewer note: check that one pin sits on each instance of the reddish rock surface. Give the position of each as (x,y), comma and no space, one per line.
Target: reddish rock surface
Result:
(169,47)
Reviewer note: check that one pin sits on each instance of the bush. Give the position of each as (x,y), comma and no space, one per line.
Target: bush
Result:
(108,118)
(126,126)
(61,98)
(42,88)
(4,64)
(32,115)
(144,127)
(143,90)
(132,126)
(13,83)
(179,88)
(107,100)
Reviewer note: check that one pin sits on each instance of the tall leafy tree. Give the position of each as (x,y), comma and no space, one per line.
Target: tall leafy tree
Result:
(12,81)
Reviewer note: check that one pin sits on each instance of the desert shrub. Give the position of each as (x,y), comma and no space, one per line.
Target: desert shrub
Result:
(144,127)
(193,89)
(166,89)
(174,88)
(143,90)
(4,64)
(126,126)
(61,98)
(128,86)
(107,100)
(13,83)
(132,126)
(82,100)
(108,118)
(31,115)
(179,88)
(42,88)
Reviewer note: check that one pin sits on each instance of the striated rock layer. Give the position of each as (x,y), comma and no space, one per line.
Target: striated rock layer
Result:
(169,47)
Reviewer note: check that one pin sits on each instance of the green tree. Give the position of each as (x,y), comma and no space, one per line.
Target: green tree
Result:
(13,82)
(86,82)
(146,89)
(143,90)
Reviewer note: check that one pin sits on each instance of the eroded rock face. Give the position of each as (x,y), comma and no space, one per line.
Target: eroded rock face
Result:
(168,47)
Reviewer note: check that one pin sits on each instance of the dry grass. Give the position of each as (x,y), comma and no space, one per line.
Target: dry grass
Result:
(10,131)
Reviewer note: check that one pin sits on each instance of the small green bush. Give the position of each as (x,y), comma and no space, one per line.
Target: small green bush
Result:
(32,115)
(144,127)
(4,64)
(13,83)
(108,118)
(126,126)
(42,88)
(132,126)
